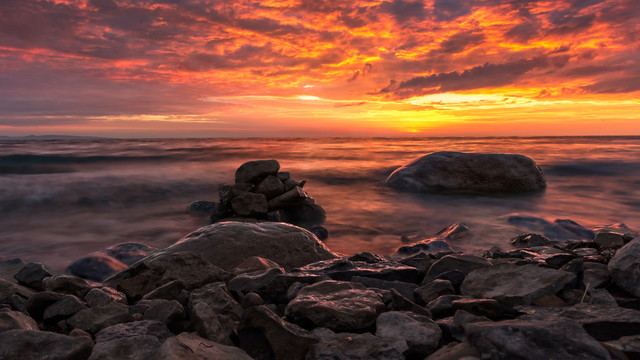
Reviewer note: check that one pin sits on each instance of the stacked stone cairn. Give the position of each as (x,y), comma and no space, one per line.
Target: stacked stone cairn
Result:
(263,192)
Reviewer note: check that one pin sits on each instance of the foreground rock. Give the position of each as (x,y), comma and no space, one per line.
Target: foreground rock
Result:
(228,244)
(31,344)
(356,346)
(625,267)
(472,172)
(421,334)
(187,346)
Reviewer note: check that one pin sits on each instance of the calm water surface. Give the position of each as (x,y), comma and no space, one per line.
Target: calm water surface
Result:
(62,199)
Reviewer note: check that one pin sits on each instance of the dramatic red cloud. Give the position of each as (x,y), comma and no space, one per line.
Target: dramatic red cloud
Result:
(307,67)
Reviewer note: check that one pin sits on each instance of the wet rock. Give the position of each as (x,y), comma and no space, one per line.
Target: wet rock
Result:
(404,288)
(227,244)
(505,283)
(270,187)
(216,296)
(192,347)
(129,253)
(578,230)
(31,344)
(255,263)
(253,171)
(104,296)
(454,232)
(455,351)
(67,284)
(343,269)
(293,197)
(458,262)
(63,309)
(470,172)
(15,320)
(427,246)
(31,275)
(172,290)
(442,306)
(319,231)
(254,281)
(529,240)
(624,267)
(356,346)
(560,229)
(432,290)
(367,257)
(96,267)
(169,312)
(162,268)
(153,328)
(140,347)
(211,325)
(337,305)
(531,339)
(264,335)
(97,318)
(421,333)
(249,204)
(596,274)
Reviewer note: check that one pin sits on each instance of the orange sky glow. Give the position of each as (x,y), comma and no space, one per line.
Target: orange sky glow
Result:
(182,68)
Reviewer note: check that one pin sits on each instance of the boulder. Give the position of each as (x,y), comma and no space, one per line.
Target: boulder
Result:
(254,171)
(337,305)
(39,302)
(421,333)
(529,339)
(129,253)
(529,240)
(173,290)
(596,275)
(609,239)
(432,290)
(515,285)
(344,269)
(306,215)
(9,291)
(97,318)
(63,309)
(270,187)
(469,172)
(169,312)
(255,263)
(249,204)
(455,351)
(624,267)
(32,344)
(96,267)
(356,346)
(404,288)
(104,296)
(188,346)
(31,275)
(226,192)
(217,297)
(457,262)
(253,281)
(263,334)
(154,328)
(293,197)
(138,347)
(227,244)
(442,306)
(68,284)
(211,325)
(454,232)
(427,246)
(15,320)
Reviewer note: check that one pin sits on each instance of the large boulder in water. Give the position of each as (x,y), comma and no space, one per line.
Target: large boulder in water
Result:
(469,172)
(227,244)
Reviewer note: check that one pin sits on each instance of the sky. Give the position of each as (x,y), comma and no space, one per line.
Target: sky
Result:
(199,68)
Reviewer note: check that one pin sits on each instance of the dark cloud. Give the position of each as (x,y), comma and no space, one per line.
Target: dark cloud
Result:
(523,32)
(461,41)
(404,11)
(446,10)
(615,85)
(567,24)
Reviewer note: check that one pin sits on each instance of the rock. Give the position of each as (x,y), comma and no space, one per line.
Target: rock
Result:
(129,253)
(104,296)
(427,246)
(404,288)
(32,344)
(356,346)
(578,230)
(458,262)
(97,318)
(188,346)
(172,290)
(153,328)
(421,333)
(253,299)
(9,290)
(432,290)
(484,307)
(596,275)
(270,187)
(63,309)
(529,339)
(227,192)
(264,335)
(443,306)
(227,244)
(201,207)
(255,263)
(455,351)
(470,172)
(164,267)
(169,312)
(140,347)
(337,305)
(293,197)
(319,231)
(67,284)
(8,268)
(529,240)
(15,320)
(624,267)
(216,296)
(601,297)
(505,283)
(31,275)
(278,290)
(401,303)
(39,302)
(343,269)
(254,281)
(549,301)
(96,267)
(254,171)
(306,215)
(454,232)
(629,345)
(283,175)
(609,240)
(249,204)
(210,325)
(367,257)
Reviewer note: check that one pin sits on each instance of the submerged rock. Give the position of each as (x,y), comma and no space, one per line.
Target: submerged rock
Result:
(473,172)
(96,267)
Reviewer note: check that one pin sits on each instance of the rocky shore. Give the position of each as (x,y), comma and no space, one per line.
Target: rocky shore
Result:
(272,290)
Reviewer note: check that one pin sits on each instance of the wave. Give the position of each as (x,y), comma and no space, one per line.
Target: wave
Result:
(592,168)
